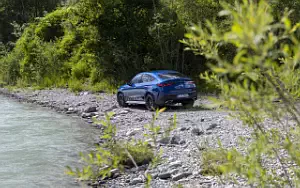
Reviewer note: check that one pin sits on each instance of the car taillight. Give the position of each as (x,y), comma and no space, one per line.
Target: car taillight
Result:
(164,85)
(190,82)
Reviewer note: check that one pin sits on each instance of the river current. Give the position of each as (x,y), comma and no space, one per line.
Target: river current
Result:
(36,144)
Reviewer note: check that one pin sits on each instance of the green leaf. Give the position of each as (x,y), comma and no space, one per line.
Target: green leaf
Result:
(220,70)
(224,13)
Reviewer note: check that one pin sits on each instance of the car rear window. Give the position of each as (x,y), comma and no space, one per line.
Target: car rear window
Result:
(172,75)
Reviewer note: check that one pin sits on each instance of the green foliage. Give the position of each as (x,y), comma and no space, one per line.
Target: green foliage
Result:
(103,86)
(57,47)
(115,153)
(76,85)
(106,41)
(211,160)
(9,73)
(97,41)
(17,13)
(265,67)
(80,70)
(154,132)
(178,186)
(3,50)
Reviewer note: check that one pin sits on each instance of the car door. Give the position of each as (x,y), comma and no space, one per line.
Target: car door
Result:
(130,92)
(139,90)
(147,83)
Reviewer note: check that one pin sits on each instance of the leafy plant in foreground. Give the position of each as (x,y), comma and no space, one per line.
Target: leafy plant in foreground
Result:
(118,154)
(265,67)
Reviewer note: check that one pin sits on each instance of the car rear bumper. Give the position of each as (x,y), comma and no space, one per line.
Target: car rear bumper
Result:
(165,98)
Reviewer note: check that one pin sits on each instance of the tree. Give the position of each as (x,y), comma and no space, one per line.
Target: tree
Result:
(20,12)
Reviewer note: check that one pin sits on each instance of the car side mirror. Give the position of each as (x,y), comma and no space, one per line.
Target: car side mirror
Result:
(129,83)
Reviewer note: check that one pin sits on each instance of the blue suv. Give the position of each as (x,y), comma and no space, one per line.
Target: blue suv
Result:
(158,88)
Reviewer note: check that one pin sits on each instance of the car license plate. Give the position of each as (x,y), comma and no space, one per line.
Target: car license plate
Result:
(189,85)
(182,95)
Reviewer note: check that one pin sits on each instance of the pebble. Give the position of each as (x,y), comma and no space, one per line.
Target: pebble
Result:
(165,140)
(183,129)
(90,109)
(175,140)
(165,175)
(84,93)
(136,181)
(154,175)
(132,132)
(182,142)
(70,112)
(181,176)
(127,180)
(114,171)
(175,164)
(212,126)
(174,171)
(196,172)
(94,114)
(123,112)
(197,131)
(86,115)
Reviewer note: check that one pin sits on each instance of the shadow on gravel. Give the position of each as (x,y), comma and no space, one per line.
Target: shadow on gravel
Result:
(175,108)
(182,109)
(137,107)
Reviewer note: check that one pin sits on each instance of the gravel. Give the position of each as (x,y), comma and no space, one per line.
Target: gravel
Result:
(181,176)
(165,175)
(175,164)
(196,128)
(136,181)
(197,131)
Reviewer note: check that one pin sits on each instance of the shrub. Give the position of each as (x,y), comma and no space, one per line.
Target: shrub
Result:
(76,85)
(10,68)
(265,67)
(114,153)
(103,86)
(96,75)
(80,70)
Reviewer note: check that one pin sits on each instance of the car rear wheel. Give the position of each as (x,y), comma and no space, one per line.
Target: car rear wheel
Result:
(150,103)
(188,104)
(121,100)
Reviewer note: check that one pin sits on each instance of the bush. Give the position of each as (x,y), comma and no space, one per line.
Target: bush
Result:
(76,85)
(96,75)
(265,67)
(10,68)
(80,71)
(114,153)
(92,40)
(103,86)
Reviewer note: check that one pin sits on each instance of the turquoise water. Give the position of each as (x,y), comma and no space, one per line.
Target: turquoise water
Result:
(36,144)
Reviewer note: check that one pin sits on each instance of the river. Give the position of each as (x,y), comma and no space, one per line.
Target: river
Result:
(36,144)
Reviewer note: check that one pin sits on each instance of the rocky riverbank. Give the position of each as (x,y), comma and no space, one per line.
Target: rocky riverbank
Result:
(196,128)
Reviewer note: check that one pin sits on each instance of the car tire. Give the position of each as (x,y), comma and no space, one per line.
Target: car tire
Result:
(188,104)
(121,100)
(150,103)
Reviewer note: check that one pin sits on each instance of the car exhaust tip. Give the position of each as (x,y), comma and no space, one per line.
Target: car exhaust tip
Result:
(169,102)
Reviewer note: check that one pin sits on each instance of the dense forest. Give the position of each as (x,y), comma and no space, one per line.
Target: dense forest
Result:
(98,44)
